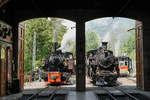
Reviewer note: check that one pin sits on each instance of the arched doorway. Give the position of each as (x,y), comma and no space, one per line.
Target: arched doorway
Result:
(106,29)
(44,29)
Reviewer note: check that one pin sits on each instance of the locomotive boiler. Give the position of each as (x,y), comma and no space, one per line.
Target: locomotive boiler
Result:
(102,66)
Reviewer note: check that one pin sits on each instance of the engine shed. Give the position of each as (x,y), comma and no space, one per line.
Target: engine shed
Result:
(12,12)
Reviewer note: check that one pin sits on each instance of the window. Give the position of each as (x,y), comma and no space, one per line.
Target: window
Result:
(126,63)
(2,53)
(121,63)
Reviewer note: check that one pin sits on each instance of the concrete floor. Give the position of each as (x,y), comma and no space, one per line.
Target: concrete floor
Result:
(91,92)
(71,94)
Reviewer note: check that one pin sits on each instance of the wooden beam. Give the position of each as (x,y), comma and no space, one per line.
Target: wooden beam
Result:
(80,55)
(3,2)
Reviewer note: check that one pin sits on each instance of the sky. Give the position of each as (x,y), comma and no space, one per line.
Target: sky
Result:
(106,28)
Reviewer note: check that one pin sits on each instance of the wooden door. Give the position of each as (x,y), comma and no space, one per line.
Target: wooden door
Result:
(9,69)
(139,52)
(3,71)
(21,55)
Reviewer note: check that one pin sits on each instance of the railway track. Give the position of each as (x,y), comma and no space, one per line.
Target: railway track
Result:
(126,95)
(53,93)
(36,96)
(131,79)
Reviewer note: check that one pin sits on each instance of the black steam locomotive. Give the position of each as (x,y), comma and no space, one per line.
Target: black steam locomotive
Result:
(58,67)
(102,66)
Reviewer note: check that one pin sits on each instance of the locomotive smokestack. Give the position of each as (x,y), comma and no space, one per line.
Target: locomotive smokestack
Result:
(104,45)
(54,46)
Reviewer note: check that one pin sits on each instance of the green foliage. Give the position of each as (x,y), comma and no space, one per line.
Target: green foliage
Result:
(92,41)
(44,38)
(129,46)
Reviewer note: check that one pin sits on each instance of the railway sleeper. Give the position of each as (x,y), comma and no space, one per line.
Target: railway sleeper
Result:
(120,94)
(105,96)
(45,97)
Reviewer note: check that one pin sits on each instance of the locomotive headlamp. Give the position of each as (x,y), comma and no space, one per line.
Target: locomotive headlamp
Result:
(65,63)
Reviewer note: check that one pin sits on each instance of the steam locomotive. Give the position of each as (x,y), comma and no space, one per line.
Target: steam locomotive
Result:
(58,68)
(102,66)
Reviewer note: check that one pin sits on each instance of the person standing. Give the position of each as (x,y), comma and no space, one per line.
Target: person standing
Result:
(39,74)
(33,76)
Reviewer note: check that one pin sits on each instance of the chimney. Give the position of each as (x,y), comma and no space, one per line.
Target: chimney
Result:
(104,45)
(54,46)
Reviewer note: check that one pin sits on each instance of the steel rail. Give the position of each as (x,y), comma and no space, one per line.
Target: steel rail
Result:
(34,95)
(129,95)
(109,93)
(53,93)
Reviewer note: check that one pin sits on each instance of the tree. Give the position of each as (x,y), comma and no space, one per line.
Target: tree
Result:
(129,46)
(44,30)
(92,41)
